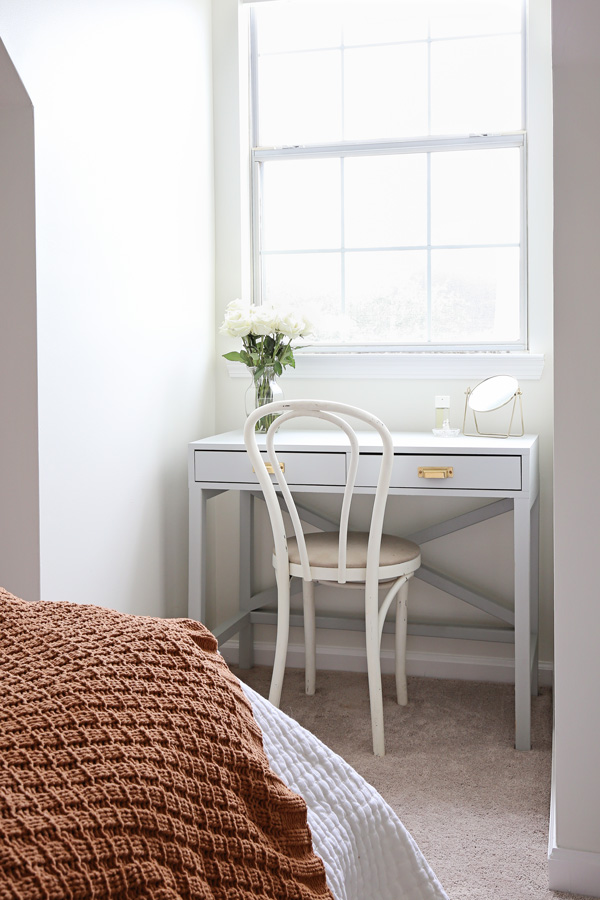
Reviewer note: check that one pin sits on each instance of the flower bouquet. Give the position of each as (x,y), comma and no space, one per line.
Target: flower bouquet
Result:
(267,334)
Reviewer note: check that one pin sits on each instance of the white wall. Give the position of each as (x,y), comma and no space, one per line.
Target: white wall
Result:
(576,65)
(122,98)
(19,483)
(482,555)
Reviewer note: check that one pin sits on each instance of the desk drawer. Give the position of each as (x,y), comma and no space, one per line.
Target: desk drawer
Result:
(234,466)
(496,473)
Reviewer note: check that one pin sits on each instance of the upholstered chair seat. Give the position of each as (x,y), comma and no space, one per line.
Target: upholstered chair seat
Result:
(322,548)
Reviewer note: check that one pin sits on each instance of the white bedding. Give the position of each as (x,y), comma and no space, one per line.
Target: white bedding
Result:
(367,851)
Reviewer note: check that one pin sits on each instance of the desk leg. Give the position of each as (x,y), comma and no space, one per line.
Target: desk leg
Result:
(246,635)
(522,554)
(535,590)
(197,554)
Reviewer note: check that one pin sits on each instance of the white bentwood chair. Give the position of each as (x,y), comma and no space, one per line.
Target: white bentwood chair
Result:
(370,559)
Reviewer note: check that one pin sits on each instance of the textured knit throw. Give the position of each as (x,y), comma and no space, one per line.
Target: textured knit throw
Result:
(131,766)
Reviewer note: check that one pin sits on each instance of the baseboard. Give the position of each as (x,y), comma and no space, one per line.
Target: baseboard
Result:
(425,664)
(572,871)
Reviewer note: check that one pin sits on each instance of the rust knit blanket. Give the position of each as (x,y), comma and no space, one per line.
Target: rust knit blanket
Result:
(131,766)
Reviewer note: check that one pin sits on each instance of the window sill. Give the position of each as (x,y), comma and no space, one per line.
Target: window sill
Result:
(521,365)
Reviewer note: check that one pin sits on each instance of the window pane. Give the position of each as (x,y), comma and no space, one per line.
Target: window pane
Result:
(475,295)
(476,85)
(386,295)
(385,201)
(294,26)
(474,17)
(308,282)
(300,98)
(385,92)
(385,22)
(475,197)
(301,207)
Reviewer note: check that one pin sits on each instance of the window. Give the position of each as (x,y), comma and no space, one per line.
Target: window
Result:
(388,170)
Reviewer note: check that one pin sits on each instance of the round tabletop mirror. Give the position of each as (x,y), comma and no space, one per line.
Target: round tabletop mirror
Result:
(493,393)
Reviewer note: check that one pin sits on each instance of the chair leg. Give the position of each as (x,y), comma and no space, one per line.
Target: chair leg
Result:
(373,644)
(310,652)
(401,622)
(283,631)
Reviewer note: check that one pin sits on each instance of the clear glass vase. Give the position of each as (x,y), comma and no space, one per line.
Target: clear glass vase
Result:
(264,388)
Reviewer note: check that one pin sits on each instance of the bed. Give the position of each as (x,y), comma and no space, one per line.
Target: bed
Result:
(134,764)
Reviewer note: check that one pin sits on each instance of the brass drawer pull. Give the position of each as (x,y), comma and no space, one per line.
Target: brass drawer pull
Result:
(436,472)
(270,469)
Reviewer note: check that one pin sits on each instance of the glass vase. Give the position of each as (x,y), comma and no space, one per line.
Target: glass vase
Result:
(264,388)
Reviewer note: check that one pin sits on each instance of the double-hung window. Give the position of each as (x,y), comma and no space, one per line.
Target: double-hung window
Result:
(388,170)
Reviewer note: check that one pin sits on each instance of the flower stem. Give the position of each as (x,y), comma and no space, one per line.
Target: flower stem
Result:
(264,394)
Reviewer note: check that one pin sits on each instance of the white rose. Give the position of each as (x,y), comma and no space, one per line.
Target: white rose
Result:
(291,324)
(237,321)
(264,320)
(309,328)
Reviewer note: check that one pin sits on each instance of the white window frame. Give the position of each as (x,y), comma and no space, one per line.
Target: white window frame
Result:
(428,363)
(345,149)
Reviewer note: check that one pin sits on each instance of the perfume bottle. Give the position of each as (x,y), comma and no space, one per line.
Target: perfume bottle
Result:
(442,411)
(442,418)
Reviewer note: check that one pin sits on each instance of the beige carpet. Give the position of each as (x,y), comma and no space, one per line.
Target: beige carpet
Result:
(477,808)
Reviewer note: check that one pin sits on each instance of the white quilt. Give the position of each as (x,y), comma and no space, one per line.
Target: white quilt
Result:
(367,851)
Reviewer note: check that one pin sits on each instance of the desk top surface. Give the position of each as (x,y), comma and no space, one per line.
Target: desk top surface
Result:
(327,440)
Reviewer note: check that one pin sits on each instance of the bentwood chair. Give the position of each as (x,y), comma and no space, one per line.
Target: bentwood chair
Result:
(370,560)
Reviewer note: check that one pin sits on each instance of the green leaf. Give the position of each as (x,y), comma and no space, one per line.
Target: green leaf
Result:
(277,367)
(234,356)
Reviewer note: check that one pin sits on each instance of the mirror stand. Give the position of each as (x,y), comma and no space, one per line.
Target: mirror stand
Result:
(478,433)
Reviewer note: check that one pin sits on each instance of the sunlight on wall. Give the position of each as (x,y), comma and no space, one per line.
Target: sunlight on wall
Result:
(122,104)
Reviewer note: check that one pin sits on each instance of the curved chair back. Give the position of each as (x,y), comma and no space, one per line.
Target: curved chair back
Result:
(335,413)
